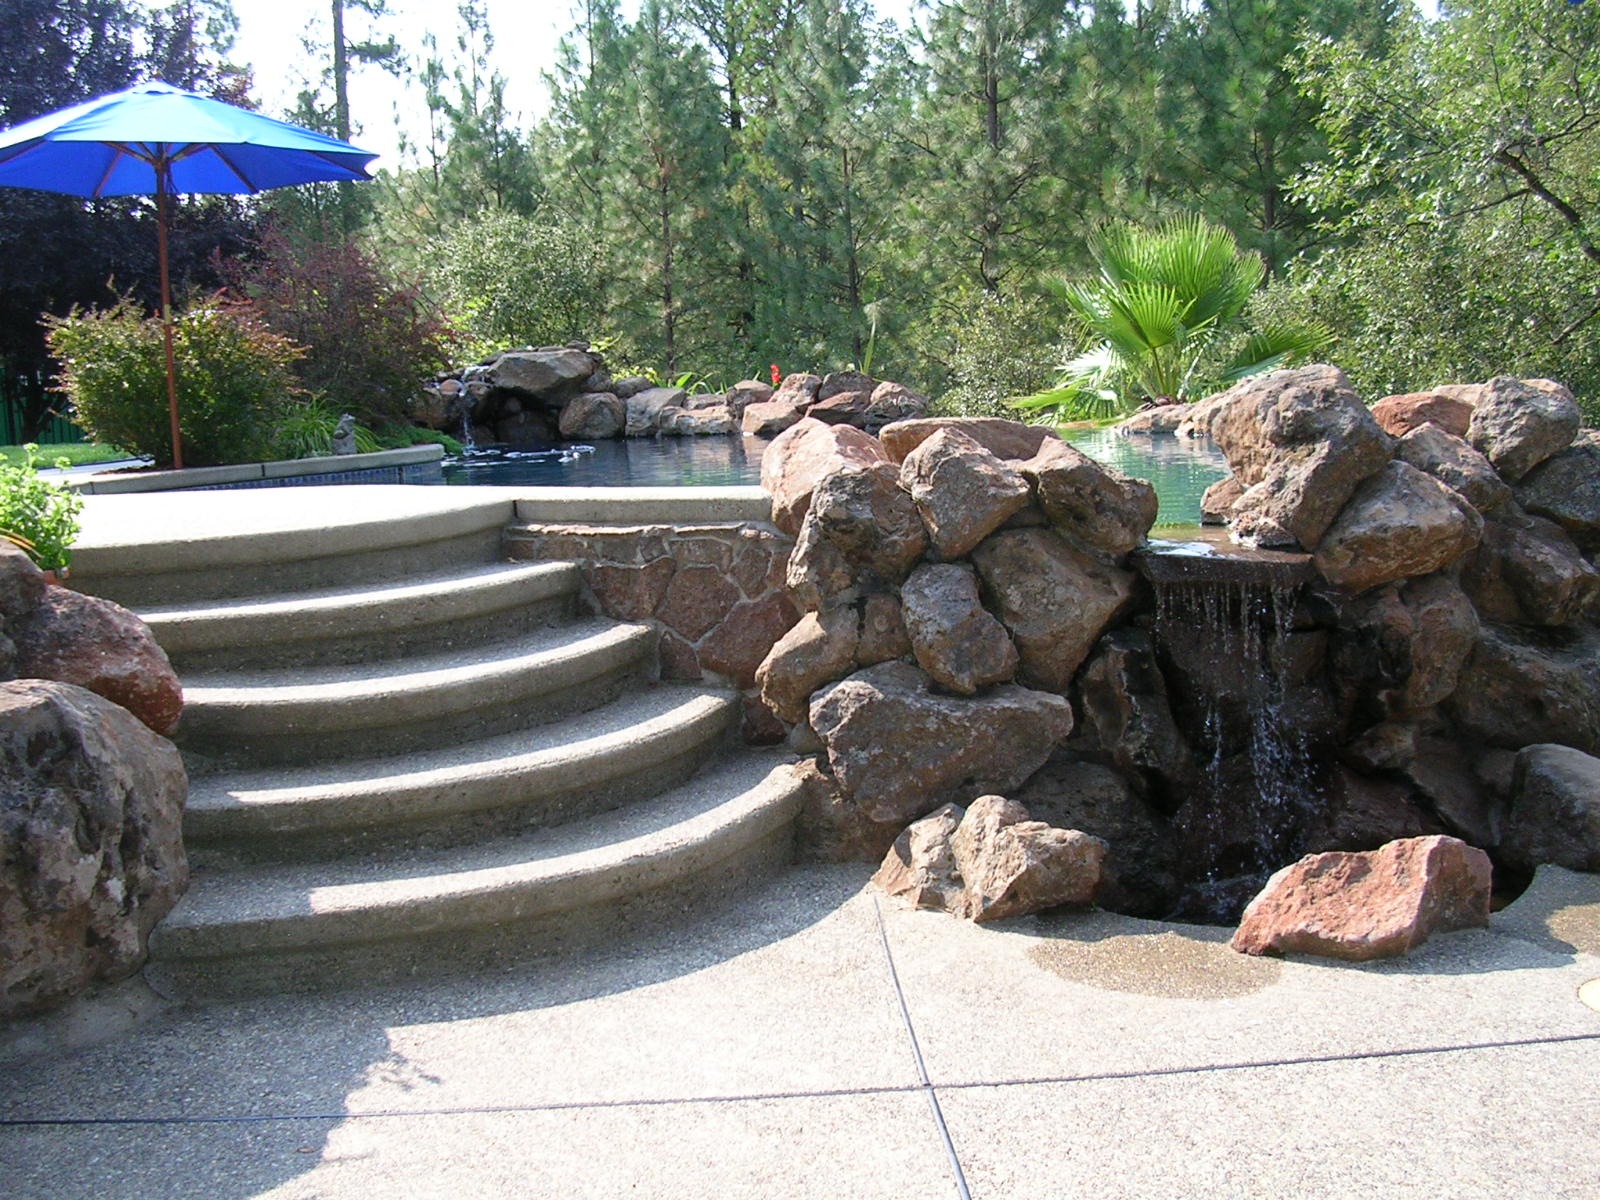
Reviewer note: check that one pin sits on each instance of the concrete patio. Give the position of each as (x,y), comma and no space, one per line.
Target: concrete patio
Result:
(817,1041)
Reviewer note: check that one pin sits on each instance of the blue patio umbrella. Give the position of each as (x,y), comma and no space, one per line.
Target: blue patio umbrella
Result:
(156,139)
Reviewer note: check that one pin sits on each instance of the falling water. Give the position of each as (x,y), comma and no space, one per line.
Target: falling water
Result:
(1257,787)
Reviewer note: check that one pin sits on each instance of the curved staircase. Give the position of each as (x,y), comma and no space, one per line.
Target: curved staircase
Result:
(406,759)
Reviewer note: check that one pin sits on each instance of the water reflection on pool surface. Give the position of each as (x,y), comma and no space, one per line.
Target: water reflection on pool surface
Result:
(1180,468)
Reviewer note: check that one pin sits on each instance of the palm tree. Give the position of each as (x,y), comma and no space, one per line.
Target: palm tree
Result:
(1165,309)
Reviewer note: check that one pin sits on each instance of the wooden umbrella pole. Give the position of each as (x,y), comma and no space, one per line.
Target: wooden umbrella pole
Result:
(162,192)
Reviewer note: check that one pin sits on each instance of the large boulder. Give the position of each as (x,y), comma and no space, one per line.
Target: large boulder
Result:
(1400,523)
(1454,463)
(1523,686)
(900,749)
(871,519)
(540,374)
(833,828)
(963,491)
(1566,489)
(1011,865)
(1158,418)
(1399,415)
(769,417)
(1122,696)
(838,383)
(1527,571)
(91,851)
(1401,648)
(1555,810)
(593,415)
(1300,442)
(798,389)
(1216,503)
(920,868)
(801,456)
(645,409)
(954,638)
(1518,424)
(103,647)
(818,574)
(818,650)
(705,421)
(891,402)
(843,408)
(1002,438)
(1095,503)
(1054,598)
(747,392)
(1376,904)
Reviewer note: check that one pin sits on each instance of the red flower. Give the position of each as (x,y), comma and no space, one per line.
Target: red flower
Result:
(776,377)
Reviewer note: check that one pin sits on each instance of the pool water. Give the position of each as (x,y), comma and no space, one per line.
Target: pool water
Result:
(1181,469)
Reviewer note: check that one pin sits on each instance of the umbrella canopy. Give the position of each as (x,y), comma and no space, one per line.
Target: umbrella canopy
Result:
(120,145)
(156,139)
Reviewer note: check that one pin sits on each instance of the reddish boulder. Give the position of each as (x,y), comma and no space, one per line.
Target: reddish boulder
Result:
(101,646)
(1399,415)
(1097,504)
(899,748)
(1376,904)
(920,867)
(801,456)
(1054,598)
(798,389)
(843,408)
(1216,505)
(735,648)
(1300,442)
(1011,865)
(1527,571)
(871,519)
(818,650)
(963,491)
(1002,438)
(952,635)
(818,573)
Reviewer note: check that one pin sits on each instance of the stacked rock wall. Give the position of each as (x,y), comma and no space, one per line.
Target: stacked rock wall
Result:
(980,617)
(541,396)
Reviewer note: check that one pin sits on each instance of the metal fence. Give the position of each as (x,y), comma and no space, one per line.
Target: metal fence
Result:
(20,392)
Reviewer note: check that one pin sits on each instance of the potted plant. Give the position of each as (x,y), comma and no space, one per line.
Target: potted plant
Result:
(38,515)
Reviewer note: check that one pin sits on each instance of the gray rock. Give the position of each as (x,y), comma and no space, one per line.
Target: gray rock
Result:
(1122,695)
(766,418)
(1523,686)
(1566,489)
(1097,504)
(1400,523)
(1004,439)
(872,520)
(593,415)
(1517,424)
(1011,865)
(645,408)
(838,383)
(1527,571)
(954,638)
(800,457)
(1454,463)
(920,867)
(1555,809)
(91,853)
(540,374)
(799,390)
(21,584)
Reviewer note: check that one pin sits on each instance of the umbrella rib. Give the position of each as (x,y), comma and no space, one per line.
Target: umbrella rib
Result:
(235,168)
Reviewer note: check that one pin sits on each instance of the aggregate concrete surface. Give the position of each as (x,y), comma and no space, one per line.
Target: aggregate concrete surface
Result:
(812,1039)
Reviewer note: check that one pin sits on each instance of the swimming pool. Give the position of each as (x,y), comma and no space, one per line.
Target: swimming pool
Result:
(1180,468)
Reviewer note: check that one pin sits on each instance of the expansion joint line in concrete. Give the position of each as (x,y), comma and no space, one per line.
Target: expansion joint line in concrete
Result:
(474,1110)
(916,1053)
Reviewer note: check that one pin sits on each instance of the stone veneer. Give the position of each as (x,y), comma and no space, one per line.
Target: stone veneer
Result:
(714,591)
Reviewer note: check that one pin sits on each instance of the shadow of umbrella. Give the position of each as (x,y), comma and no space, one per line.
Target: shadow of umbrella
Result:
(158,140)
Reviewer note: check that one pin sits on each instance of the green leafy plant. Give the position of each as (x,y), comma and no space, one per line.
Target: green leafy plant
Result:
(235,376)
(305,430)
(397,437)
(1162,320)
(36,514)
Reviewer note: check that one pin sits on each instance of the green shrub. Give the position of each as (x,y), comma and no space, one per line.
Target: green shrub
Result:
(234,379)
(40,516)
(398,437)
(509,280)
(992,347)
(306,429)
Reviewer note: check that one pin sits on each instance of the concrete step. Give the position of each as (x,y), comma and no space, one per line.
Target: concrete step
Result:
(386,917)
(344,711)
(366,622)
(632,748)
(233,544)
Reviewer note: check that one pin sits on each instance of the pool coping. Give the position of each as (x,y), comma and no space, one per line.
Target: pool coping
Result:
(258,474)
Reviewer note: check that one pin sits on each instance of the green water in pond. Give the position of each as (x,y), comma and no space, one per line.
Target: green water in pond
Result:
(1180,468)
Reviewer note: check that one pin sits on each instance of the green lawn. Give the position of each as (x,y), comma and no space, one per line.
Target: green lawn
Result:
(77,454)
